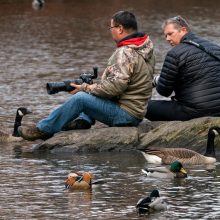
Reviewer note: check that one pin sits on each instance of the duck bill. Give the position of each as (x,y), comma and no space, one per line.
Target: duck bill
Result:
(183,171)
(66,182)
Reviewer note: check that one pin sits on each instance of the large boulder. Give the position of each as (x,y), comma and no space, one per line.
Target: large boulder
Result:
(191,134)
(91,140)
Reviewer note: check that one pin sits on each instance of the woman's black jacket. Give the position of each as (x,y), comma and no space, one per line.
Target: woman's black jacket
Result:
(193,75)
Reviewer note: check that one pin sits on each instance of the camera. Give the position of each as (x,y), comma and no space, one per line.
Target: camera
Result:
(55,87)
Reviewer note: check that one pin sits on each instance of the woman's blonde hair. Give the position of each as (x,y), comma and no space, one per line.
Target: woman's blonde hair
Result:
(178,22)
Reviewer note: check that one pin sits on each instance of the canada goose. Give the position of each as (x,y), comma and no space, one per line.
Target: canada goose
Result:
(6,137)
(176,171)
(37,4)
(185,156)
(77,180)
(151,203)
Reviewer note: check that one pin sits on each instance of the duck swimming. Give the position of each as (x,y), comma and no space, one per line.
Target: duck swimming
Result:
(185,156)
(176,171)
(77,180)
(6,137)
(151,203)
(38,4)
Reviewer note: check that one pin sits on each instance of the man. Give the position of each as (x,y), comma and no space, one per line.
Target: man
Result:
(120,98)
(191,71)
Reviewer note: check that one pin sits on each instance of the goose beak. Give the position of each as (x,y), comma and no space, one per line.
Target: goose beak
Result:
(183,171)
(29,111)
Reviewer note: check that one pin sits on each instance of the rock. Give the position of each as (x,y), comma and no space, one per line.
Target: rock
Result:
(92,140)
(190,134)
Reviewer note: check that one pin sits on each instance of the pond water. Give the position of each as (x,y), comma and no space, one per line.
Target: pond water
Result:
(59,42)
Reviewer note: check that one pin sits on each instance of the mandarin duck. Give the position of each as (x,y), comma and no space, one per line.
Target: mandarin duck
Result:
(78,180)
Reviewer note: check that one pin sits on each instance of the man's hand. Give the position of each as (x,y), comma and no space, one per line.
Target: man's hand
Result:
(77,88)
(155,81)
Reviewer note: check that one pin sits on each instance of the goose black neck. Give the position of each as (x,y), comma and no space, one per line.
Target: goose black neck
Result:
(210,149)
(17,123)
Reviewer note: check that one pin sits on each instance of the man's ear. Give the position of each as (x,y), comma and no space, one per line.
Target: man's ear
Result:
(120,29)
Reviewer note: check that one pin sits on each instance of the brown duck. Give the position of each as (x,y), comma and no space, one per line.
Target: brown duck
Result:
(78,180)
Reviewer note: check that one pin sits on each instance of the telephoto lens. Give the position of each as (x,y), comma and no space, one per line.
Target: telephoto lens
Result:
(55,87)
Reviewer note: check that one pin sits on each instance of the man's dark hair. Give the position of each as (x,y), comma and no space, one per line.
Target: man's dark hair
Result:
(126,19)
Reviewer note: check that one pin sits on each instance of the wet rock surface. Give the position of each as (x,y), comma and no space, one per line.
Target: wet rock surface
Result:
(190,134)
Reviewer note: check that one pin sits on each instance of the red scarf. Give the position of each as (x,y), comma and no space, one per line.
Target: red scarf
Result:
(136,41)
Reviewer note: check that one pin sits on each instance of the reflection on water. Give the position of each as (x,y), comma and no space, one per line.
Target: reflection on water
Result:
(34,188)
(58,43)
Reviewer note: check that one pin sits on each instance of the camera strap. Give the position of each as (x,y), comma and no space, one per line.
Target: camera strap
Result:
(201,47)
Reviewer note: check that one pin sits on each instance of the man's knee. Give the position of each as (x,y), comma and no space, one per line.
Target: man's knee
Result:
(80,97)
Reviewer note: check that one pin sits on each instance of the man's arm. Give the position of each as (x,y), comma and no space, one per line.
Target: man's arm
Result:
(115,77)
(167,80)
